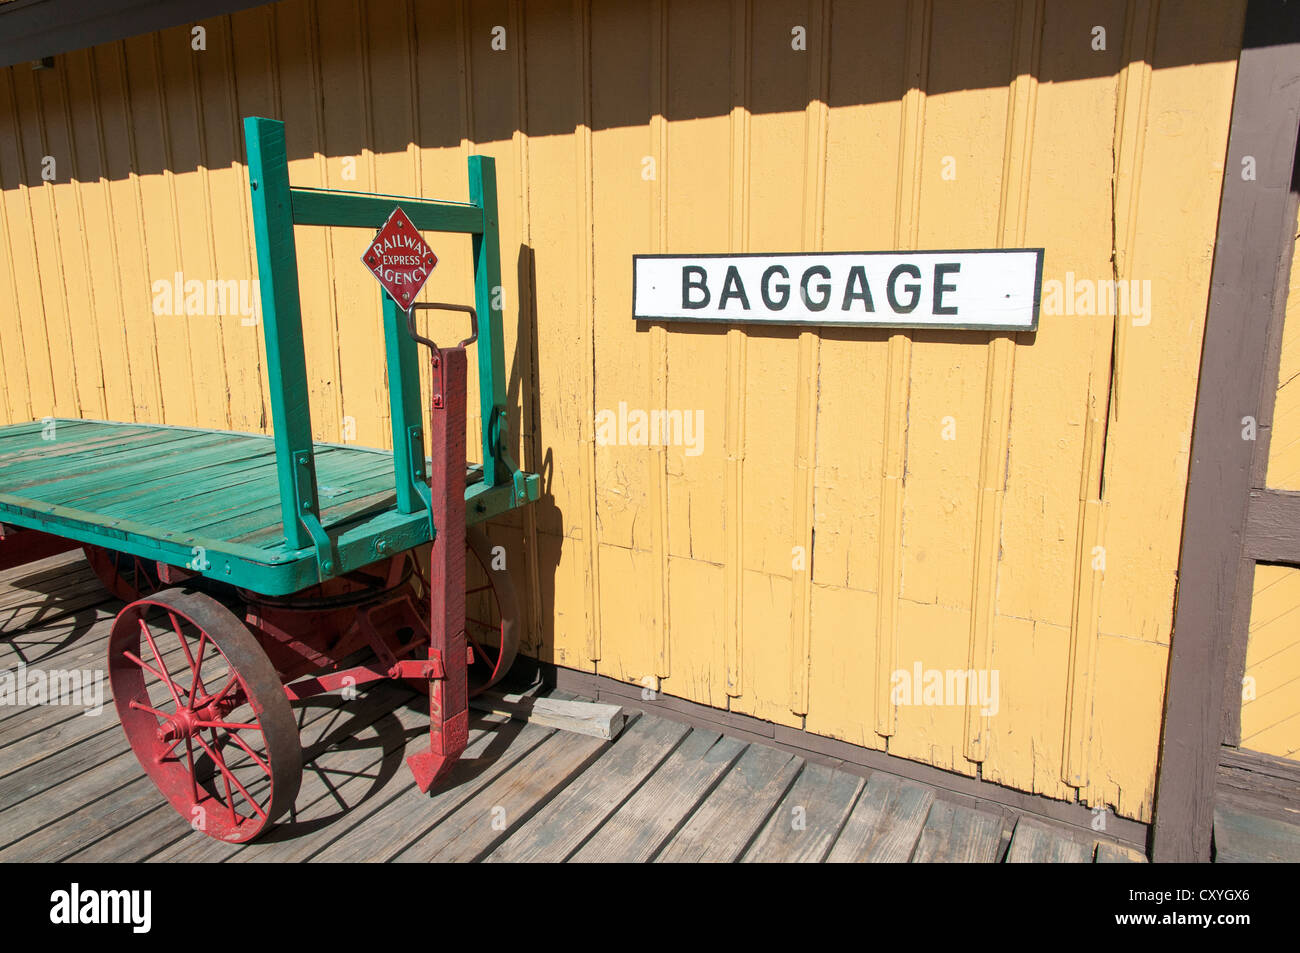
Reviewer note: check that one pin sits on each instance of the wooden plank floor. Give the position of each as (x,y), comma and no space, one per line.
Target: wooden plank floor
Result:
(70,789)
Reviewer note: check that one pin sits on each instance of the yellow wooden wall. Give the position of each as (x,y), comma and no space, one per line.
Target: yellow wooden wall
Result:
(1270,707)
(666,126)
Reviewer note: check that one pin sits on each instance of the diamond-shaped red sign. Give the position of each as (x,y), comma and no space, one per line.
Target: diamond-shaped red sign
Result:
(400,258)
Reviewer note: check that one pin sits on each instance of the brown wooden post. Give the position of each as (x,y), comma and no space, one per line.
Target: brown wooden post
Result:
(1254,241)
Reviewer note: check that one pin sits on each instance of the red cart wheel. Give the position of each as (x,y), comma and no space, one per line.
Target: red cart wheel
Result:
(205,713)
(491,613)
(127,577)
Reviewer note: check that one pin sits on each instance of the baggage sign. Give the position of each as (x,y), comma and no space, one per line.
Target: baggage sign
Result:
(400,258)
(987,289)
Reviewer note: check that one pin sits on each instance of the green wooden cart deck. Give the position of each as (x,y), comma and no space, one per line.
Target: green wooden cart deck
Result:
(278,514)
(209,500)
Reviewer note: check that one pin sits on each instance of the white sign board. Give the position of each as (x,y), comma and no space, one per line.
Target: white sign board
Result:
(993,289)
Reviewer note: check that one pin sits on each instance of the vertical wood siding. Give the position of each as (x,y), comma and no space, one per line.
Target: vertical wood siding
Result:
(828,531)
(1270,708)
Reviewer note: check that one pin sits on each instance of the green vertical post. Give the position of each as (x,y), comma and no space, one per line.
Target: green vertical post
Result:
(488,296)
(404,404)
(286,364)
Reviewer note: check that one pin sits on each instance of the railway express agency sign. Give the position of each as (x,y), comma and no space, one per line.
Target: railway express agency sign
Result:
(400,258)
(992,290)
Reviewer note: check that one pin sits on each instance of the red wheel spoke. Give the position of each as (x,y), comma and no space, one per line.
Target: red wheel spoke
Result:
(198,663)
(234,678)
(229,726)
(144,665)
(480,650)
(196,678)
(230,797)
(185,646)
(251,753)
(194,782)
(166,675)
(230,779)
(153,711)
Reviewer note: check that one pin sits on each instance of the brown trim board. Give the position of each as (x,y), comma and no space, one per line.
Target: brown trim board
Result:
(1234,668)
(1273,358)
(1273,526)
(955,788)
(1253,242)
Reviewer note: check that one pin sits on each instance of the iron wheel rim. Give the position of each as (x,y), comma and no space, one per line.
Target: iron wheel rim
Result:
(227,759)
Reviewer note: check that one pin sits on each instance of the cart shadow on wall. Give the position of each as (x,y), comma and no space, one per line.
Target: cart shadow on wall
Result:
(545,513)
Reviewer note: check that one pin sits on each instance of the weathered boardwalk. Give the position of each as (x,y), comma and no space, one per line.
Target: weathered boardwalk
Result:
(70,788)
